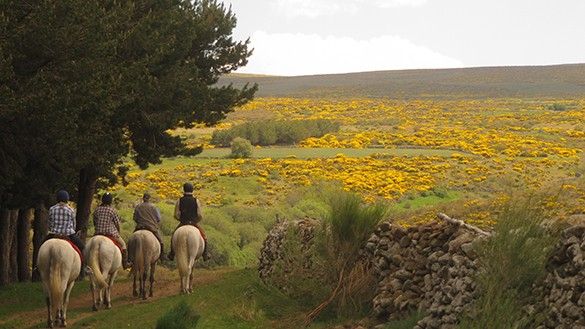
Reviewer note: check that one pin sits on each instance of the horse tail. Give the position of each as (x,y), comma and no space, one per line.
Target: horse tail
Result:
(95,266)
(56,289)
(138,264)
(193,255)
(182,253)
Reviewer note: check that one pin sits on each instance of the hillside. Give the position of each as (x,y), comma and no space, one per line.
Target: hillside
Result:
(558,81)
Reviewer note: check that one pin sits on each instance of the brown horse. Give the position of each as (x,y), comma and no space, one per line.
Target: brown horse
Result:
(104,259)
(188,244)
(143,252)
(59,266)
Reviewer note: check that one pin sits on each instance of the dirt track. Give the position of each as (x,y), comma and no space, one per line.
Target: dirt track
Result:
(167,284)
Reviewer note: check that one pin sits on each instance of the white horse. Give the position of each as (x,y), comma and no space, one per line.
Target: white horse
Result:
(104,260)
(59,266)
(188,245)
(143,252)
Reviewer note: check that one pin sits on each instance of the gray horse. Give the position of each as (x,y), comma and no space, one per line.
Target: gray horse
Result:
(143,252)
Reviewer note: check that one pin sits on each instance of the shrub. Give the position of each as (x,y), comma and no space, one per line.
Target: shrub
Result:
(181,316)
(272,132)
(556,107)
(511,262)
(241,148)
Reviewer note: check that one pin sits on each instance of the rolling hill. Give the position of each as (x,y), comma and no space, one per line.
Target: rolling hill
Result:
(557,81)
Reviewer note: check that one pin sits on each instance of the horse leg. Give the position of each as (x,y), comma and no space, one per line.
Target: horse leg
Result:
(66,303)
(191,280)
(109,290)
(134,290)
(143,284)
(102,292)
(49,315)
(152,268)
(93,295)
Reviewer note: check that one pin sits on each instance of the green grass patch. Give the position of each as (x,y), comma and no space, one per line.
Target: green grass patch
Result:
(307,153)
(238,300)
(26,296)
(431,199)
(181,316)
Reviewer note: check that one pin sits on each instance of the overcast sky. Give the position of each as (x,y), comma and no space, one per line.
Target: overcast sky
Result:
(297,37)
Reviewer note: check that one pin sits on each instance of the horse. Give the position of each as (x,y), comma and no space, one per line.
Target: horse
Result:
(143,252)
(59,265)
(104,260)
(188,245)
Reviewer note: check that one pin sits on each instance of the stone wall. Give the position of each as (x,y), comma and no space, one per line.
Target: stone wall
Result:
(563,290)
(430,268)
(272,251)
(427,267)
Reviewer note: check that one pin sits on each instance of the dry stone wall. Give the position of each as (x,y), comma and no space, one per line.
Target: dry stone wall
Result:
(564,285)
(272,251)
(427,267)
(430,268)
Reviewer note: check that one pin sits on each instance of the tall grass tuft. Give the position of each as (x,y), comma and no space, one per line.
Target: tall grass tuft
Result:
(345,230)
(182,316)
(348,226)
(511,262)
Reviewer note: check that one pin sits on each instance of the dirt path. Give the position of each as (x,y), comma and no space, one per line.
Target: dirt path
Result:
(167,284)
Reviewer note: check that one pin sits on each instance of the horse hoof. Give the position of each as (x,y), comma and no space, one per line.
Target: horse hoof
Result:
(150,295)
(135,294)
(109,306)
(50,324)
(94,308)
(63,324)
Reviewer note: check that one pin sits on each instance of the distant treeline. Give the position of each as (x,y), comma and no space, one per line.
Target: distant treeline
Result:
(275,132)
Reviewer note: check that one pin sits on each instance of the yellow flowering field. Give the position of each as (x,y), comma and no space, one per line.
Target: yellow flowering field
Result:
(494,147)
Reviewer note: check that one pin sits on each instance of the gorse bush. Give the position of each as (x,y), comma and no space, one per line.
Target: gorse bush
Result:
(511,262)
(273,132)
(181,316)
(241,148)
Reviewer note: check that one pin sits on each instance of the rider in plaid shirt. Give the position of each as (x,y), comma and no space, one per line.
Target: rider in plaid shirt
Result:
(107,222)
(62,221)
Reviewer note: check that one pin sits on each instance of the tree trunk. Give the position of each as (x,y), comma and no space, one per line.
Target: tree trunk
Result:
(13,245)
(23,241)
(40,227)
(7,235)
(4,247)
(86,190)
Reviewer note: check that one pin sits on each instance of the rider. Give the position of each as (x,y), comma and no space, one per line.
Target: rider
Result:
(188,212)
(147,217)
(62,221)
(107,222)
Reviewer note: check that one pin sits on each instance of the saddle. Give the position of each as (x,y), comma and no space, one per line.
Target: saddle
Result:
(113,240)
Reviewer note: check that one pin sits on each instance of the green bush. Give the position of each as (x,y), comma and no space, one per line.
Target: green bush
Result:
(241,148)
(511,262)
(273,132)
(556,107)
(181,316)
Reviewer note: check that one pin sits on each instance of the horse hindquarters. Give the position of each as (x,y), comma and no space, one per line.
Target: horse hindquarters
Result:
(54,284)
